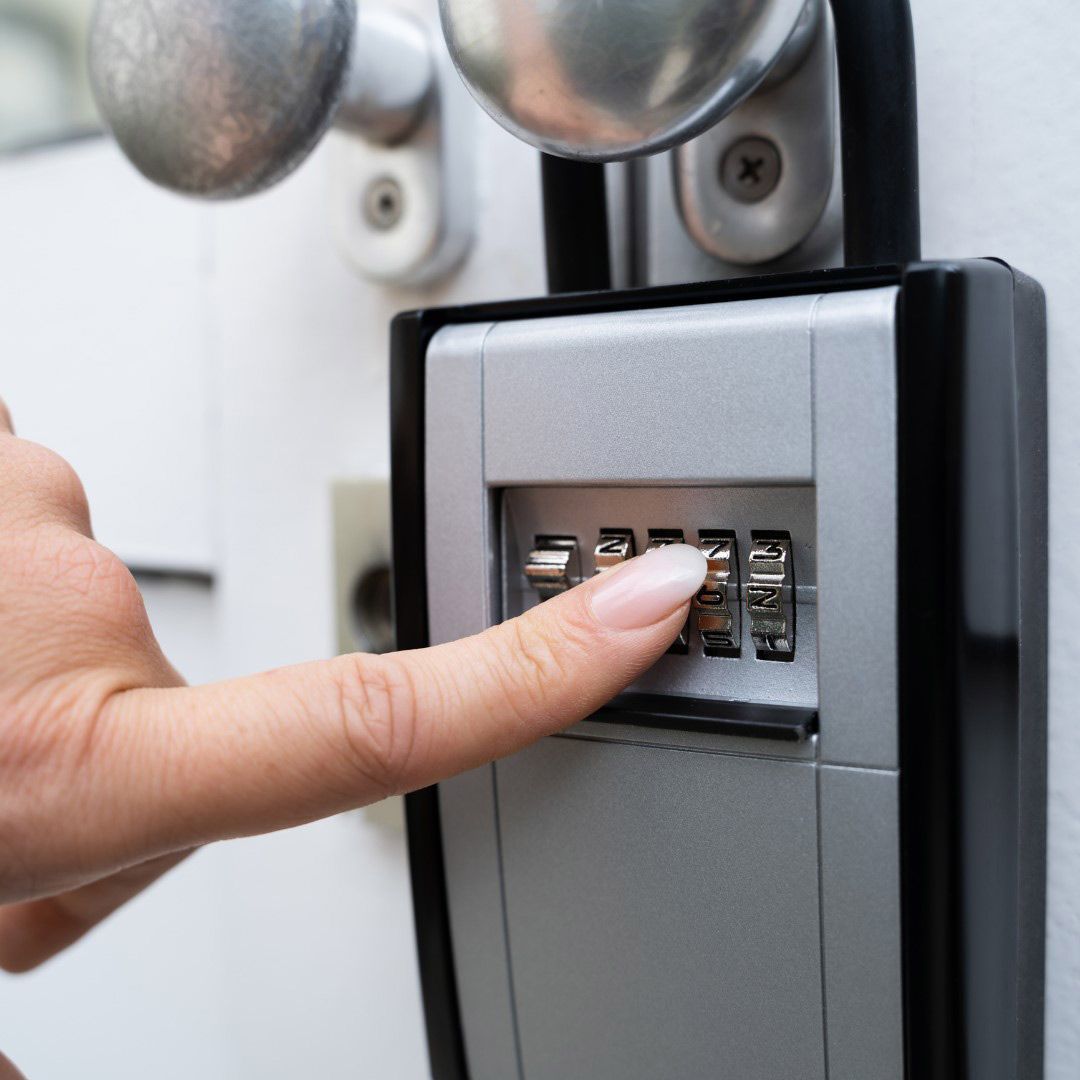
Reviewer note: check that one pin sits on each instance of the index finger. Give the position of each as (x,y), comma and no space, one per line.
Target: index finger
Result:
(176,768)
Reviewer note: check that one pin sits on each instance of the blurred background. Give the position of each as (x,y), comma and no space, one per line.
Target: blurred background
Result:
(44,92)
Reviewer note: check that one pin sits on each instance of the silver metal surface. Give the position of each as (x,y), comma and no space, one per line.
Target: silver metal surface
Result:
(662,913)
(459,514)
(461,604)
(790,127)
(470,835)
(770,601)
(859,816)
(678,842)
(615,546)
(855,459)
(605,81)
(803,37)
(553,565)
(219,99)
(713,617)
(391,77)
(660,538)
(609,384)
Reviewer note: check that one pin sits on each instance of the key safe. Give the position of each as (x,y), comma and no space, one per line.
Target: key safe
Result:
(809,844)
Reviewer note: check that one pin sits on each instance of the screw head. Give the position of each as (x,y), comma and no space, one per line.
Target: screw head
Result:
(750,169)
(384,203)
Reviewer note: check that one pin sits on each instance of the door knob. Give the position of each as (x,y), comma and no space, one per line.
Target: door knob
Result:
(606,80)
(222,98)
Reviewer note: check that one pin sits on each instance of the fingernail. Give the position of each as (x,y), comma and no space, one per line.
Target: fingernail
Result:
(649,589)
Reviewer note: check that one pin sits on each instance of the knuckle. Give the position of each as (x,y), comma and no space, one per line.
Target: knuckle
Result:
(53,479)
(54,474)
(377,705)
(89,571)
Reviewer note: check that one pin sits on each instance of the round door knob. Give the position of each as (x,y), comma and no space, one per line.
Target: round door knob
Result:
(605,80)
(222,98)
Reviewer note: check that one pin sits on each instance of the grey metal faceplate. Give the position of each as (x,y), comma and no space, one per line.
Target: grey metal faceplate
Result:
(683,396)
(585,931)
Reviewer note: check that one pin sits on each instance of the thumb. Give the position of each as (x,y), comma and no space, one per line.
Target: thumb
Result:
(298,743)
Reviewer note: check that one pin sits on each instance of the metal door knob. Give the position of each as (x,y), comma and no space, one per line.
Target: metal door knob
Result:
(604,80)
(222,98)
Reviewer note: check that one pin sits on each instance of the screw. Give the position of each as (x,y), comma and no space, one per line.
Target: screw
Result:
(384,203)
(750,169)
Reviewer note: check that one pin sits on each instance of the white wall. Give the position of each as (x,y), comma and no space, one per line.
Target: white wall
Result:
(210,370)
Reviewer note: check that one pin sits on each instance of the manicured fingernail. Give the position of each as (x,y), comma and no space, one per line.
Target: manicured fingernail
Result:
(649,589)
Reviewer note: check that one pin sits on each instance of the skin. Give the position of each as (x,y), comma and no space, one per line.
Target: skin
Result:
(112,770)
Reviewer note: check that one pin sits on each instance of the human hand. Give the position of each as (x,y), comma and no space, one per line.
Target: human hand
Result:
(112,770)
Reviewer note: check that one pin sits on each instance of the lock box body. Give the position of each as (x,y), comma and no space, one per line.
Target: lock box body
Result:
(810,841)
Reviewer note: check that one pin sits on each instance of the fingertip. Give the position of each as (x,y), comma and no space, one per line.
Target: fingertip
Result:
(650,589)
